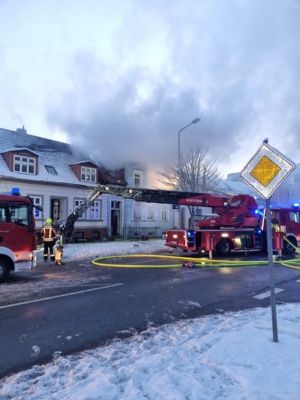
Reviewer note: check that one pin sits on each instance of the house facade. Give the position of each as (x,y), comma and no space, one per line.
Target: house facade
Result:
(52,175)
(138,220)
(59,180)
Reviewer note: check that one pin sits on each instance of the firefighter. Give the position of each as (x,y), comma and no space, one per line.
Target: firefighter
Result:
(49,235)
(59,249)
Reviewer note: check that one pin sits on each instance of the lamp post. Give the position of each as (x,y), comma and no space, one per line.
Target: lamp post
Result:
(179,160)
(179,163)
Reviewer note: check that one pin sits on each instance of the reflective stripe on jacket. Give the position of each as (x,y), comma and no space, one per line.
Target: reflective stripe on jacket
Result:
(48,233)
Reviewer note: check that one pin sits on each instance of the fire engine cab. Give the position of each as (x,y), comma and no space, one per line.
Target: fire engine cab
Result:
(17,233)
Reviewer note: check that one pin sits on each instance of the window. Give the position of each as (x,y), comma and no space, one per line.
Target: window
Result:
(164,212)
(88,174)
(294,217)
(115,205)
(24,165)
(14,213)
(291,194)
(151,210)
(37,201)
(77,203)
(137,211)
(95,210)
(137,178)
(51,170)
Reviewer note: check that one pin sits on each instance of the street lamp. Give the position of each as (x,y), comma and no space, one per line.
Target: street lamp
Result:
(179,164)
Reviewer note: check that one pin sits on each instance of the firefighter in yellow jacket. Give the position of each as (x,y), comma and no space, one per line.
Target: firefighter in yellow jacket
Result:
(49,235)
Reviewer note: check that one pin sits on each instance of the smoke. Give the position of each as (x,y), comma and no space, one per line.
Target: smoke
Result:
(124,77)
(235,66)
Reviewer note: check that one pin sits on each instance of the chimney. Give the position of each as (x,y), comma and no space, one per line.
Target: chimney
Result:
(22,131)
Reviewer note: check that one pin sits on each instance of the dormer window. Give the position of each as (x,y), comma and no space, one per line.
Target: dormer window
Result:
(24,165)
(88,174)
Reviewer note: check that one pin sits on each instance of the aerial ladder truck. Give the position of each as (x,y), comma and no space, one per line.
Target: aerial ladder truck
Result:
(235,223)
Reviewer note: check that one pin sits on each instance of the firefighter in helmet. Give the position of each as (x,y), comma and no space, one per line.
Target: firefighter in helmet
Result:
(49,235)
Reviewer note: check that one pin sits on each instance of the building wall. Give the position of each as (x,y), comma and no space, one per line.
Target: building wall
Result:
(143,219)
(84,227)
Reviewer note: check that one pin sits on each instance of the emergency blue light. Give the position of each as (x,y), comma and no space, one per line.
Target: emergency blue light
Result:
(258,212)
(15,191)
(296,205)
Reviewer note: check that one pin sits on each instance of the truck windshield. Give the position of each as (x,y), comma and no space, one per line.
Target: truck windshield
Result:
(17,213)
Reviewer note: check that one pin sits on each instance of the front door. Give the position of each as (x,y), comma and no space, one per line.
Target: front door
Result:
(55,209)
(115,222)
(115,218)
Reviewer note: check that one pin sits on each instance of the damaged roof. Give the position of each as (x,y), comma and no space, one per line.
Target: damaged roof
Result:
(51,153)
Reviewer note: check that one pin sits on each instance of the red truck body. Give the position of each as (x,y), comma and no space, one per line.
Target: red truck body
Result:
(17,234)
(236,226)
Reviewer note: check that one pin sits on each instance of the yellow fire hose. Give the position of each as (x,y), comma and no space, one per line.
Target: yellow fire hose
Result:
(198,263)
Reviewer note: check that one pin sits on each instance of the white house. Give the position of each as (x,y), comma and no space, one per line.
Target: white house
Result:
(58,179)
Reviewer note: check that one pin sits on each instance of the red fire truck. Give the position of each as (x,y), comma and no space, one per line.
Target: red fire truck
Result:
(17,233)
(234,224)
(237,225)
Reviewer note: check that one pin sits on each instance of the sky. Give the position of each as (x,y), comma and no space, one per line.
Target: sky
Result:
(121,78)
(221,356)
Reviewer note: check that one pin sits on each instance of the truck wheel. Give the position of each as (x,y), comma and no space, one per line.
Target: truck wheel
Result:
(4,270)
(224,247)
(288,249)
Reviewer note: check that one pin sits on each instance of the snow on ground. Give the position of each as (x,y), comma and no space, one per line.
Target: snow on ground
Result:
(92,250)
(225,356)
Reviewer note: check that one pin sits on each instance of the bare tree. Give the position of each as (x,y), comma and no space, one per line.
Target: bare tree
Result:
(199,174)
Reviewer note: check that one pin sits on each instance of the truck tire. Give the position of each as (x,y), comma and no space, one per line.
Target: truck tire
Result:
(288,249)
(4,269)
(224,247)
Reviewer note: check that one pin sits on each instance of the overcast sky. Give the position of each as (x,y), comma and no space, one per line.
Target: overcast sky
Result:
(120,78)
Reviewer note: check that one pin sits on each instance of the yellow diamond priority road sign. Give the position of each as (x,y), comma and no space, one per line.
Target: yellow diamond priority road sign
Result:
(266,170)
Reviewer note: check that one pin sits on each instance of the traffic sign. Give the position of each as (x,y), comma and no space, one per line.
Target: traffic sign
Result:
(266,170)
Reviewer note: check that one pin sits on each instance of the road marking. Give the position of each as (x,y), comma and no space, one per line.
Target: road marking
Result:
(267,294)
(60,295)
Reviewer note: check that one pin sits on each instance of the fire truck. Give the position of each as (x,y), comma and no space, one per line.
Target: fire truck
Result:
(237,225)
(17,233)
(235,222)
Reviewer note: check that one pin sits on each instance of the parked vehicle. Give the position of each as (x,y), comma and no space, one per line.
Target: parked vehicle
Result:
(17,233)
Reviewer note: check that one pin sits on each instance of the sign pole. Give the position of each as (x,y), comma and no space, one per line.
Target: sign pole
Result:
(271,268)
(266,170)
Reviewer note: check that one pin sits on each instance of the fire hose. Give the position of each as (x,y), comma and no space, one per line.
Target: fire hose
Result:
(194,263)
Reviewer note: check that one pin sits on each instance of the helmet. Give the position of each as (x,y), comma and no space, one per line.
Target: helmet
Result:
(48,221)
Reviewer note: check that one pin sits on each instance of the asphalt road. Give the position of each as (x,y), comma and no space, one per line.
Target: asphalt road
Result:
(62,310)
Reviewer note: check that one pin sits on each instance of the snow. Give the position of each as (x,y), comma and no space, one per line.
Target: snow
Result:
(223,356)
